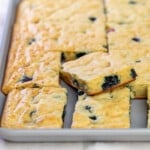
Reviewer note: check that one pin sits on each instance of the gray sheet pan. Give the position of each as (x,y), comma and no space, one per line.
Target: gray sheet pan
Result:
(137,132)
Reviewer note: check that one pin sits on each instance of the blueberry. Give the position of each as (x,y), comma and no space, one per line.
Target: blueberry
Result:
(105,86)
(25,79)
(110,81)
(80,92)
(75,83)
(80,54)
(92,19)
(138,61)
(31,41)
(113,79)
(93,117)
(136,39)
(87,107)
(133,73)
(132,2)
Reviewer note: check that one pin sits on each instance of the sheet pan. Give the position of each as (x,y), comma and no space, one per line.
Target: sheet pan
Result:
(137,132)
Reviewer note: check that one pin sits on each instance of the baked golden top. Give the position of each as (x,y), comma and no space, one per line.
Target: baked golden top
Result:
(34,108)
(106,110)
(96,72)
(40,73)
(64,26)
(143,71)
(128,11)
(128,36)
(140,61)
(133,56)
(92,65)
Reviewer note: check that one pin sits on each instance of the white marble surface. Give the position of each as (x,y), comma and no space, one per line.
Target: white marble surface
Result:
(4,145)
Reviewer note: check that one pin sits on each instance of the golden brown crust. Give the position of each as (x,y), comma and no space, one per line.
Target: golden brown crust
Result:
(70,26)
(106,110)
(97,72)
(128,36)
(34,108)
(140,61)
(42,71)
(68,81)
(127,11)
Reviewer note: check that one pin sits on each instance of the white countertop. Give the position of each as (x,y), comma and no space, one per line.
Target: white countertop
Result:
(4,145)
(75,146)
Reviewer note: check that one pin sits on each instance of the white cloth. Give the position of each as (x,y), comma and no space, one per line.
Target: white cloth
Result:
(75,146)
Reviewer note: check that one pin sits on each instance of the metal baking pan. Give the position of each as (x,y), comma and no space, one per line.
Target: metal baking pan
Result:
(137,132)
